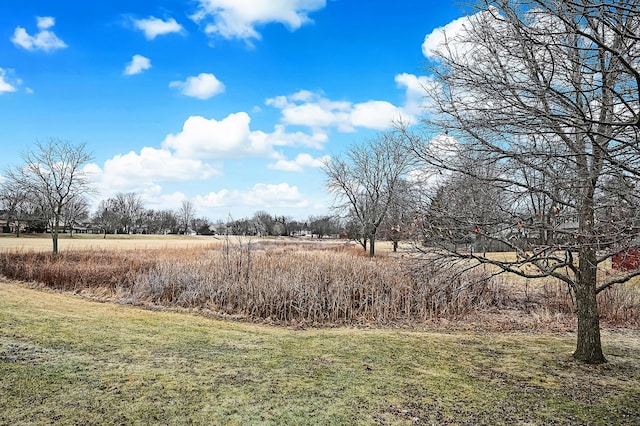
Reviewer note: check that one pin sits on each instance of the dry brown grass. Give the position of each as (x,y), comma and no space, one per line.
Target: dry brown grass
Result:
(305,283)
(618,305)
(77,270)
(43,243)
(308,283)
(306,287)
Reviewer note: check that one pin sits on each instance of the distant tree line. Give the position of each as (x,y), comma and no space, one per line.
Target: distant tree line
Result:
(50,192)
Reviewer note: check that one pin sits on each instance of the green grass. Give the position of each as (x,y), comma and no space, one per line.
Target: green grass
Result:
(66,360)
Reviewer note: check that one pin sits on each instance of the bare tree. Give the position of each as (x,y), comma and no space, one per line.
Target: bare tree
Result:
(263,223)
(186,214)
(105,217)
(368,180)
(283,225)
(77,209)
(400,215)
(16,201)
(545,93)
(128,208)
(53,175)
(323,225)
(462,208)
(167,221)
(239,227)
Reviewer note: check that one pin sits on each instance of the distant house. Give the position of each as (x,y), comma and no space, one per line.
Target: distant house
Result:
(80,229)
(6,227)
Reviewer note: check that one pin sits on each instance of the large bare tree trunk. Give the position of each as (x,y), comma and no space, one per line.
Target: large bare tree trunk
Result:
(588,346)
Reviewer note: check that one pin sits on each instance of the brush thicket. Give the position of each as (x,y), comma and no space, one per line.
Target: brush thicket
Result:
(306,283)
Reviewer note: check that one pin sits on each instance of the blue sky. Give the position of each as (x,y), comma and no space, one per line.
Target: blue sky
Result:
(229,103)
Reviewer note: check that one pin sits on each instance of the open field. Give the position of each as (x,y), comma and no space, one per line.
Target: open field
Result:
(42,242)
(94,241)
(66,360)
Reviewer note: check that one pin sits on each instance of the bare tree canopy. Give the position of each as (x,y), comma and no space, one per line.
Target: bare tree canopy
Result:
(16,201)
(186,213)
(76,210)
(536,104)
(128,209)
(368,180)
(53,176)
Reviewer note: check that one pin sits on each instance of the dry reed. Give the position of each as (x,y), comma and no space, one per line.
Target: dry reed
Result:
(618,305)
(76,270)
(314,284)
(312,287)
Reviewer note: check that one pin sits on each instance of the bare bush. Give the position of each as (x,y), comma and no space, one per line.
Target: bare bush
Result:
(620,304)
(311,287)
(617,305)
(76,270)
(319,284)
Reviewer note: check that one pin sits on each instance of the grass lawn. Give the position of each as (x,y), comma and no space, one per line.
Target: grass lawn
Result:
(66,360)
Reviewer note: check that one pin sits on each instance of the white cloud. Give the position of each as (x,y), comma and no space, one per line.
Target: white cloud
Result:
(137,65)
(305,108)
(321,113)
(232,137)
(5,85)
(44,40)
(213,199)
(151,166)
(238,18)
(452,39)
(377,115)
(301,161)
(45,22)
(443,146)
(154,198)
(274,195)
(154,27)
(280,137)
(261,194)
(416,87)
(202,86)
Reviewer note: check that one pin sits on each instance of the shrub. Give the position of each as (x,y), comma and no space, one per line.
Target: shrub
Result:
(315,287)
(76,270)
